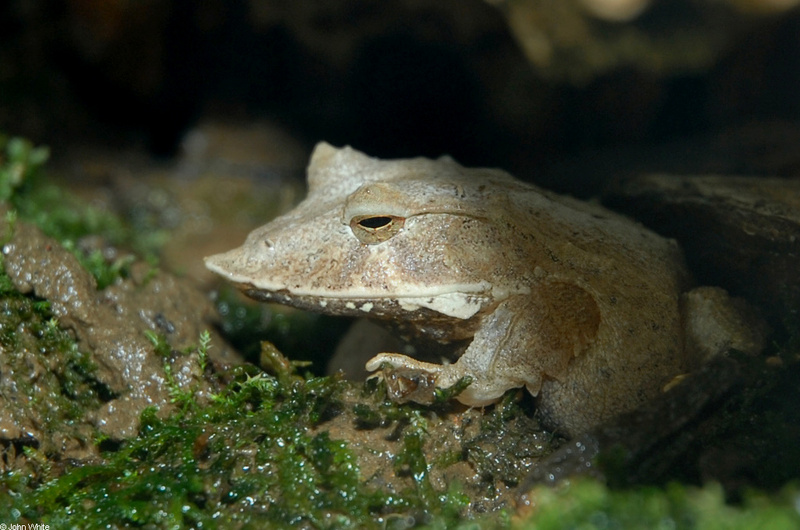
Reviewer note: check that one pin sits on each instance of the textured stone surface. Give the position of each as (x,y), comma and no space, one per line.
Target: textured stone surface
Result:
(742,233)
(111,326)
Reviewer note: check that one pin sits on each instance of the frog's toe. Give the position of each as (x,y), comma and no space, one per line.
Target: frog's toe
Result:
(376,362)
(398,360)
(406,379)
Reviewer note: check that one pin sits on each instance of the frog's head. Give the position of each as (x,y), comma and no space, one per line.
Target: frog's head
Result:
(371,233)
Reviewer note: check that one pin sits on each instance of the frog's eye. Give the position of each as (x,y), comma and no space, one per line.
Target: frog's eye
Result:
(371,229)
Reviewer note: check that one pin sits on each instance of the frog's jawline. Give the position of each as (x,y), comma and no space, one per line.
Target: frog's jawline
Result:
(412,308)
(421,322)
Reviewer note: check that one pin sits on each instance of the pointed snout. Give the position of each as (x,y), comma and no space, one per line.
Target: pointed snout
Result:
(234,265)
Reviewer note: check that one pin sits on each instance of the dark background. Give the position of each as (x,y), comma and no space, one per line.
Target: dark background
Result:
(390,78)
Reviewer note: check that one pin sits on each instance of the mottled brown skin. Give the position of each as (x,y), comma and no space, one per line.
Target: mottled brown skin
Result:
(577,303)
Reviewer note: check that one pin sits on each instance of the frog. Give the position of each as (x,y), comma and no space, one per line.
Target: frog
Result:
(587,309)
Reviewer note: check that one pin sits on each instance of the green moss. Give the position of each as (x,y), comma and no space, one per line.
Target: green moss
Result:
(253,458)
(47,380)
(249,458)
(65,218)
(47,384)
(589,505)
(508,444)
(19,164)
(182,398)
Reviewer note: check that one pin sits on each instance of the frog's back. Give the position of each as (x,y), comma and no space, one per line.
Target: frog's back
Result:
(563,235)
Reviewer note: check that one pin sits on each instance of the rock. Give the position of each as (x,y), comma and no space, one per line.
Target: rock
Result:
(732,421)
(643,445)
(741,233)
(110,325)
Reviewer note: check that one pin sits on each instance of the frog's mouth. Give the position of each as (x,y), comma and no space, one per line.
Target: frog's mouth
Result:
(460,305)
(461,301)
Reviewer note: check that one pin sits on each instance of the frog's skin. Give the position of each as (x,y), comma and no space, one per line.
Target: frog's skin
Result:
(580,305)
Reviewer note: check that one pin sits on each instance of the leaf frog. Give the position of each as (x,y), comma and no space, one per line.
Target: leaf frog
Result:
(580,305)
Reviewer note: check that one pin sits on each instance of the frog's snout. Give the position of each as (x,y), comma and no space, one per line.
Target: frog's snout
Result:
(231,265)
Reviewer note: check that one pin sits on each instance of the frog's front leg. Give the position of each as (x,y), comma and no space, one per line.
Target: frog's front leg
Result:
(526,339)
(408,379)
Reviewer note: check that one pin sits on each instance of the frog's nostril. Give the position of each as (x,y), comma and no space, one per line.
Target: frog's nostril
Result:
(269,244)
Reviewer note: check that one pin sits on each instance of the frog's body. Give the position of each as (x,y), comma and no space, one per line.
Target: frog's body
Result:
(579,304)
